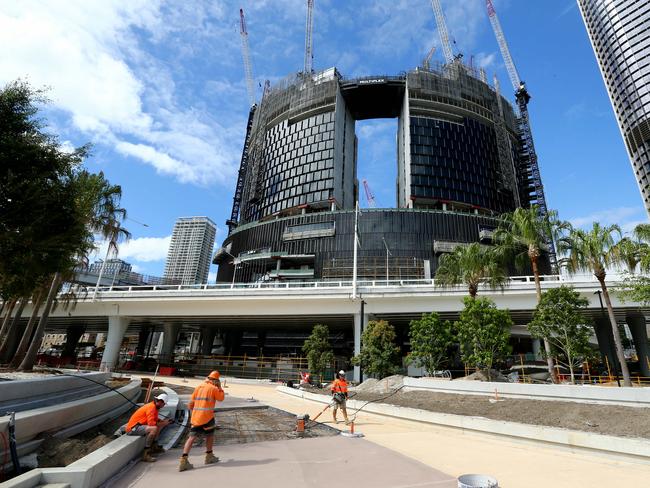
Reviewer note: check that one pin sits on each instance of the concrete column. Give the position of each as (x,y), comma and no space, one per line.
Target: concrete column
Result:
(207,339)
(116,328)
(170,334)
(636,323)
(99,340)
(537,347)
(72,336)
(603,330)
(143,336)
(360,323)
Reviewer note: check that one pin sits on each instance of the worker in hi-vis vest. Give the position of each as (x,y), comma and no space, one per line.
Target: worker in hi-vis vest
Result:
(340,395)
(202,407)
(144,422)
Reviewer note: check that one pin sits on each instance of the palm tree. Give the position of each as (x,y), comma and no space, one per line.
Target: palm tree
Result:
(471,265)
(595,250)
(98,212)
(525,233)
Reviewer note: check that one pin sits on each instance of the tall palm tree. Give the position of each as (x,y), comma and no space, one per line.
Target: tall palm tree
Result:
(97,212)
(525,233)
(595,250)
(631,253)
(471,265)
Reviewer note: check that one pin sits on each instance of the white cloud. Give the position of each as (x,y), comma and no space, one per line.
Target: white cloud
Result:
(110,88)
(626,217)
(141,249)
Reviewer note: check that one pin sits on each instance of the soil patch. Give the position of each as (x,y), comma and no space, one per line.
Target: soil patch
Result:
(602,419)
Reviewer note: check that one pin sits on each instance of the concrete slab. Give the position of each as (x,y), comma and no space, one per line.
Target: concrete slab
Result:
(317,462)
(514,464)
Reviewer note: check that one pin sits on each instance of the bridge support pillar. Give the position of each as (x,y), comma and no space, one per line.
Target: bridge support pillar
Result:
(603,330)
(143,335)
(72,336)
(636,323)
(537,347)
(170,334)
(360,323)
(116,328)
(207,339)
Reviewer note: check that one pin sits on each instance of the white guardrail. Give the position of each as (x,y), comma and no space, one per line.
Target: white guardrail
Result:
(343,284)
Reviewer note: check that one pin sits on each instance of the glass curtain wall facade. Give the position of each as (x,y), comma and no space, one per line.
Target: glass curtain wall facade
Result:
(619,33)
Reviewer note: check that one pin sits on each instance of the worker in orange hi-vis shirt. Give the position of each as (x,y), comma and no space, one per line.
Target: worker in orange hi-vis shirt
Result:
(340,395)
(144,422)
(201,405)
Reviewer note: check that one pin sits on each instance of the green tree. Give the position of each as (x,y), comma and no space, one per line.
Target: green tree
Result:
(379,356)
(430,339)
(524,234)
(483,332)
(318,350)
(595,251)
(559,317)
(471,265)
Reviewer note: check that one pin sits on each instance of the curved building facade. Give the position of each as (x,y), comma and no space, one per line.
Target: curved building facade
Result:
(618,30)
(458,167)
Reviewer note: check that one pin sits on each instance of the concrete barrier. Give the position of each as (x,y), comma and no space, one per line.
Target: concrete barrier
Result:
(626,446)
(627,396)
(88,472)
(17,389)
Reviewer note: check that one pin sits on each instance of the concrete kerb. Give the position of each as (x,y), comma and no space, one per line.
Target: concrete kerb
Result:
(624,446)
(625,396)
(17,389)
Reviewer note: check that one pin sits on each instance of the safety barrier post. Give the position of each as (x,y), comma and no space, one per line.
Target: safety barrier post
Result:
(523,375)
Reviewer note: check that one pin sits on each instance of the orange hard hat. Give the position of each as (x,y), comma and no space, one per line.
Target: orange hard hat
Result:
(214,375)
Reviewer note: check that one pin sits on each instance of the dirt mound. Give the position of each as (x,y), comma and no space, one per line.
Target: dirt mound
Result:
(385,385)
(61,452)
(483,376)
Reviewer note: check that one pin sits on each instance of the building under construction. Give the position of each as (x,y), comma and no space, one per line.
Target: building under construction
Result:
(462,159)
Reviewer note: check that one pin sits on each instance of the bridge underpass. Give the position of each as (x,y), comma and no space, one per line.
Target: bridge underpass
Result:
(253,308)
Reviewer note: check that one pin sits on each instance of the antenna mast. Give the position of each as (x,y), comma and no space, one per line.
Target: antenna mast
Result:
(245,51)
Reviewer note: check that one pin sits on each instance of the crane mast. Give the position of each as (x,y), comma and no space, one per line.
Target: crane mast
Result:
(245,51)
(369,196)
(309,27)
(523,97)
(427,60)
(442,29)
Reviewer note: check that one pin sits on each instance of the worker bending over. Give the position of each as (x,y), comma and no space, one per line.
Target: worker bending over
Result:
(340,395)
(202,407)
(144,422)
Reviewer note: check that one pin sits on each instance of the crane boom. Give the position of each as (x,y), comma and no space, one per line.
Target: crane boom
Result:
(248,70)
(369,196)
(442,29)
(427,59)
(503,46)
(309,27)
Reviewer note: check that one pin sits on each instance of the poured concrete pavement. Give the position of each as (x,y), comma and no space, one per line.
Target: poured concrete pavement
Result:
(315,462)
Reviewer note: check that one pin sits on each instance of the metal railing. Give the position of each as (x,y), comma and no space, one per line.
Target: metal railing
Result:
(342,284)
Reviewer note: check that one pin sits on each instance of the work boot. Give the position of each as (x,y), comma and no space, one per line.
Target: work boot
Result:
(211,458)
(147,457)
(156,448)
(185,464)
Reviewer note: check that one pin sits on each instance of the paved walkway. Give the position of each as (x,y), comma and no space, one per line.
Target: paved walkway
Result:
(515,464)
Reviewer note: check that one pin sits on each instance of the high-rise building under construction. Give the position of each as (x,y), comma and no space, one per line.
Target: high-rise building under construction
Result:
(618,30)
(190,249)
(460,163)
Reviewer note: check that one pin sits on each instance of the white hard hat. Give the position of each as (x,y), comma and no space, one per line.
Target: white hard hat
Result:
(342,372)
(163,397)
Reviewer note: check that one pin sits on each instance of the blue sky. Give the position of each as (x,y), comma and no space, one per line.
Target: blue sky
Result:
(158,88)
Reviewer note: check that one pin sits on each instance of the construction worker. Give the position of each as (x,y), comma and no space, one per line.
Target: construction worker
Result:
(340,395)
(202,407)
(145,422)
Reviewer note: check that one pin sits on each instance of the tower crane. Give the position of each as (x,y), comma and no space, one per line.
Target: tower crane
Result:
(427,60)
(442,29)
(369,196)
(245,51)
(523,97)
(309,27)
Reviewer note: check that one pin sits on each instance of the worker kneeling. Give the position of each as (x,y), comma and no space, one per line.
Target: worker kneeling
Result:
(340,395)
(145,422)
(202,407)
